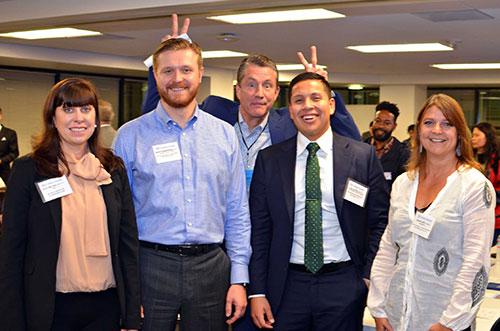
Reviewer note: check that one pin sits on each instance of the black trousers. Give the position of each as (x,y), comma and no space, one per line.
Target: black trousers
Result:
(87,311)
(332,301)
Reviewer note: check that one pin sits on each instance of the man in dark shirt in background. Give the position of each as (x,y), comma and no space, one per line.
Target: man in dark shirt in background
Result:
(390,151)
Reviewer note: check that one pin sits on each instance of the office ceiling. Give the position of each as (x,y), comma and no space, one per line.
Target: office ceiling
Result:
(132,31)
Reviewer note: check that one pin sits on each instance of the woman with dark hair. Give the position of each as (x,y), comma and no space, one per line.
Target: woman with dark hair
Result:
(68,253)
(486,151)
(431,270)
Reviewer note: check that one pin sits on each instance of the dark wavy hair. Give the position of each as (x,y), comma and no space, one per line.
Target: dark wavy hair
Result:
(491,147)
(47,152)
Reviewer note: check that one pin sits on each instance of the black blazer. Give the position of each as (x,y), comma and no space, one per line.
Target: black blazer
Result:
(29,249)
(8,151)
(272,203)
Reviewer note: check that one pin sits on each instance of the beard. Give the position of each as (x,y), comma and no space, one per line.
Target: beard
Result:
(381,134)
(179,101)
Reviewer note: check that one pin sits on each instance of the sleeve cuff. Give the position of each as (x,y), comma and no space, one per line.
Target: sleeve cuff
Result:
(239,274)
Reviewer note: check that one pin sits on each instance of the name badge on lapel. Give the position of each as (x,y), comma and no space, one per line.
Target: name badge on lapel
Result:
(166,152)
(388,175)
(53,188)
(356,192)
(422,225)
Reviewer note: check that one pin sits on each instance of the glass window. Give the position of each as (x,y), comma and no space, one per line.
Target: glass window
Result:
(465,97)
(134,92)
(489,107)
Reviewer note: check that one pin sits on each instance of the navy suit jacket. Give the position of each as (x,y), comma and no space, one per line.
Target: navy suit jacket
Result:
(281,126)
(8,151)
(272,206)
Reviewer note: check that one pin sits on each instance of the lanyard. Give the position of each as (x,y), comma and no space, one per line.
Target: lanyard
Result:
(243,137)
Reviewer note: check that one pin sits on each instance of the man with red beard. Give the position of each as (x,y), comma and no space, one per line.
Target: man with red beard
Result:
(188,184)
(390,151)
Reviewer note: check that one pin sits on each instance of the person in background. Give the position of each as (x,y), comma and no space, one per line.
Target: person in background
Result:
(411,134)
(393,154)
(487,153)
(431,270)
(8,149)
(69,251)
(107,133)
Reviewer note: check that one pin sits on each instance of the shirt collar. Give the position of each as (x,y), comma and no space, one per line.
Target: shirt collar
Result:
(244,125)
(165,119)
(324,142)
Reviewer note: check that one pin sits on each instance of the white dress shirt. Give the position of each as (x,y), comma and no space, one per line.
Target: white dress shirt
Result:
(334,249)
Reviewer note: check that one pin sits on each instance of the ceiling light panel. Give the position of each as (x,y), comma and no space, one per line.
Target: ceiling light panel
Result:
(293,67)
(278,16)
(50,33)
(398,48)
(467,66)
(221,54)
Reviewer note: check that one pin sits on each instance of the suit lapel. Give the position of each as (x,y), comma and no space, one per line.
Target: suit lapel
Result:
(342,163)
(56,213)
(275,127)
(286,162)
(107,192)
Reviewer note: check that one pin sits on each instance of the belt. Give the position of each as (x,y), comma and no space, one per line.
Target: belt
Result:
(183,250)
(326,268)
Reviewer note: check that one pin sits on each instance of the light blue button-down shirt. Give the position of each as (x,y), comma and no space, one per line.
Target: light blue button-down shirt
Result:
(252,141)
(196,194)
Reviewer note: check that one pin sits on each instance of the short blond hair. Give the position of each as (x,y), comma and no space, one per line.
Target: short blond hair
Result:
(177,44)
(106,111)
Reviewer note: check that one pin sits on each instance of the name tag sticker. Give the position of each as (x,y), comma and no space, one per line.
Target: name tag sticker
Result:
(388,175)
(422,225)
(166,152)
(53,188)
(356,192)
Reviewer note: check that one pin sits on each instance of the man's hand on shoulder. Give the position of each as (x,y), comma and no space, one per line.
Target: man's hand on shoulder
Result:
(236,303)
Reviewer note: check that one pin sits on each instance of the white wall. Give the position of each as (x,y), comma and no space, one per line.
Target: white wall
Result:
(362,115)
(221,82)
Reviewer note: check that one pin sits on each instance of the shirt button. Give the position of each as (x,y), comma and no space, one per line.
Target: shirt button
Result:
(184,133)
(187,177)
(189,200)
(190,224)
(185,154)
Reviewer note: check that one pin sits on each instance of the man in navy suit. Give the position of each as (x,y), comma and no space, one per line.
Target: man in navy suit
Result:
(286,293)
(8,149)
